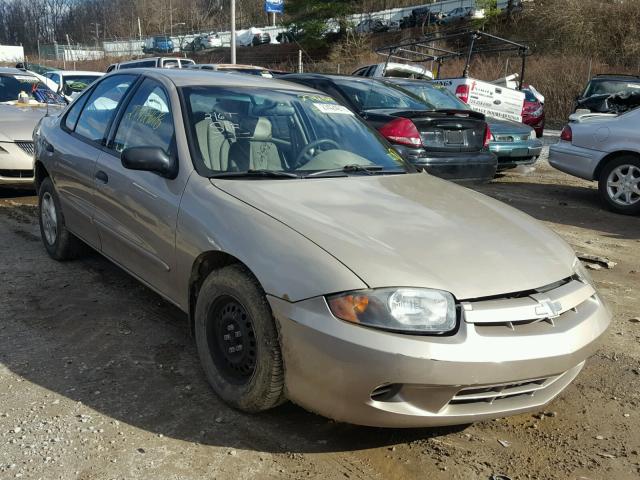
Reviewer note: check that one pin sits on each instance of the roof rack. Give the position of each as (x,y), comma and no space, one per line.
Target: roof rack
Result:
(426,48)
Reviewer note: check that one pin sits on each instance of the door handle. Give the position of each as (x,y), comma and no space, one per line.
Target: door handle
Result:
(102,177)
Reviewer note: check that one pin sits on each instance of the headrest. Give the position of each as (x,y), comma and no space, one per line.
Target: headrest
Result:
(262,132)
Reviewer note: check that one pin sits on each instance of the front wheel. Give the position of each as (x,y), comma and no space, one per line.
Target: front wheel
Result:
(59,242)
(619,185)
(237,341)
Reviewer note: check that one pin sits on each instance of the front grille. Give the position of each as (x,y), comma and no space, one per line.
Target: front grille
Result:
(492,393)
(16,173)
(548,304)
(26,146)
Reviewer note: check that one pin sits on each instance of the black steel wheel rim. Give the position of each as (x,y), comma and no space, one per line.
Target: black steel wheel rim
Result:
(232,340)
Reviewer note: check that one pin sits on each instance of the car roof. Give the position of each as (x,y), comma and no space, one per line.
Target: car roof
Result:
(188,77)
(229,65)
(615,76)
(14,71)
(76,72)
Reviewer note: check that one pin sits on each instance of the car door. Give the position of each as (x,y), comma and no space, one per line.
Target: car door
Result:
(75,148)
(136,211)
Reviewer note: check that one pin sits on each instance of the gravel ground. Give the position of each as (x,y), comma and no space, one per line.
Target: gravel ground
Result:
(99,378)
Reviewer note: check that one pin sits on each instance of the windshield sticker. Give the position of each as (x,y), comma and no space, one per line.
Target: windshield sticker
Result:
(26,78)
(332,108)
(306,97)
(394,155)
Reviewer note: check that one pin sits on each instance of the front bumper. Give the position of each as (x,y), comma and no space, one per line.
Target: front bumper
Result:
(16,164)
(512,154)
(370,377)
(458,167)
(577,161)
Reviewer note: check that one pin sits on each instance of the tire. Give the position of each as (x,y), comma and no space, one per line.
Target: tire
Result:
(232,311)
(621,176)
(59,242)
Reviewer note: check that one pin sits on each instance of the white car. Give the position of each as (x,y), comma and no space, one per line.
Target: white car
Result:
(392,69)
(69,83)
(603,148)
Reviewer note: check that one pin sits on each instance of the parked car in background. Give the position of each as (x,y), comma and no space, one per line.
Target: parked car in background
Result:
(153,62)
(606,85)
(513,143)
(533,112)
(314,265)
(232,68)
(604,148)
(252,37)
(449,143)
(158,44)
(371,25)
(35,67)
(23,102)
(71,82)
(461,14)
(392,69)
(426,16)
(203,42)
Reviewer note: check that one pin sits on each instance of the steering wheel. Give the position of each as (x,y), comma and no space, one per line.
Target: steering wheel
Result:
(305,153)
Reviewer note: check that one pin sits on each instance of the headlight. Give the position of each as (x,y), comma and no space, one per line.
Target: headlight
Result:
(582,272)
(533,135)
(408,310)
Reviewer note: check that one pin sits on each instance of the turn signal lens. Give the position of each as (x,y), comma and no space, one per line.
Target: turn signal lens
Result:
(566,134)
(402,131)
(349,307)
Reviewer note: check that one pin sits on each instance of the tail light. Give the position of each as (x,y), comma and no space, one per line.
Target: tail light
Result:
(462,92)
(487,136)
(402,131)
(566,134)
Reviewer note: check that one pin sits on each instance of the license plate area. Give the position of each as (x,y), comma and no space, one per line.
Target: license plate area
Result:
(454,137)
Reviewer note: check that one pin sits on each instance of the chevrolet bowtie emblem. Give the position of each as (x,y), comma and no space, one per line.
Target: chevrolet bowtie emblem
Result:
(548,309)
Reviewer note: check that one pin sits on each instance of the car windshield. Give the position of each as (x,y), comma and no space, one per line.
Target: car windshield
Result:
(370,95)
(76,83)
(609,86)
(438,97)
(237,130)
(12,86)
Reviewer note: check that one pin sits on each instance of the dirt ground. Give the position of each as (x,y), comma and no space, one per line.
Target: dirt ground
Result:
(99,378)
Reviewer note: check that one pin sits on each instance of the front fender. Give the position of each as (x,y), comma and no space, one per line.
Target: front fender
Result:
(287,264)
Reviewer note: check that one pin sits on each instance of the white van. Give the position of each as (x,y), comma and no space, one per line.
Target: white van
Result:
(400,70)
(153,62)
(493,100)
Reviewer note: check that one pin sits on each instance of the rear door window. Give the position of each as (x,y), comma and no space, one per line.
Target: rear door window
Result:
(101,107)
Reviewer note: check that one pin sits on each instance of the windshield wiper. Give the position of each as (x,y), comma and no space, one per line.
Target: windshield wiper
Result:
(368,169)
(255,173)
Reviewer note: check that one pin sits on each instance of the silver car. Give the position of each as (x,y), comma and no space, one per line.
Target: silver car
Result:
(604,148)
(21,108)
(314,263)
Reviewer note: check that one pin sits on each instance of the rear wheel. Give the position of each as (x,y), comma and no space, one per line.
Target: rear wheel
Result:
(619,185)
(58,241)
(237,340)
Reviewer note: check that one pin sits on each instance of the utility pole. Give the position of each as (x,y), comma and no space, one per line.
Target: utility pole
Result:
(170,20)
(139,29)
(233,31)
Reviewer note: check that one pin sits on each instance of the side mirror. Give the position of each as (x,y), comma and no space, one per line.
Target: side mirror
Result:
(150,159)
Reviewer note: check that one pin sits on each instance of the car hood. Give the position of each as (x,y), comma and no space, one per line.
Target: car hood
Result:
(415,230)
(507,127)
(18,122)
